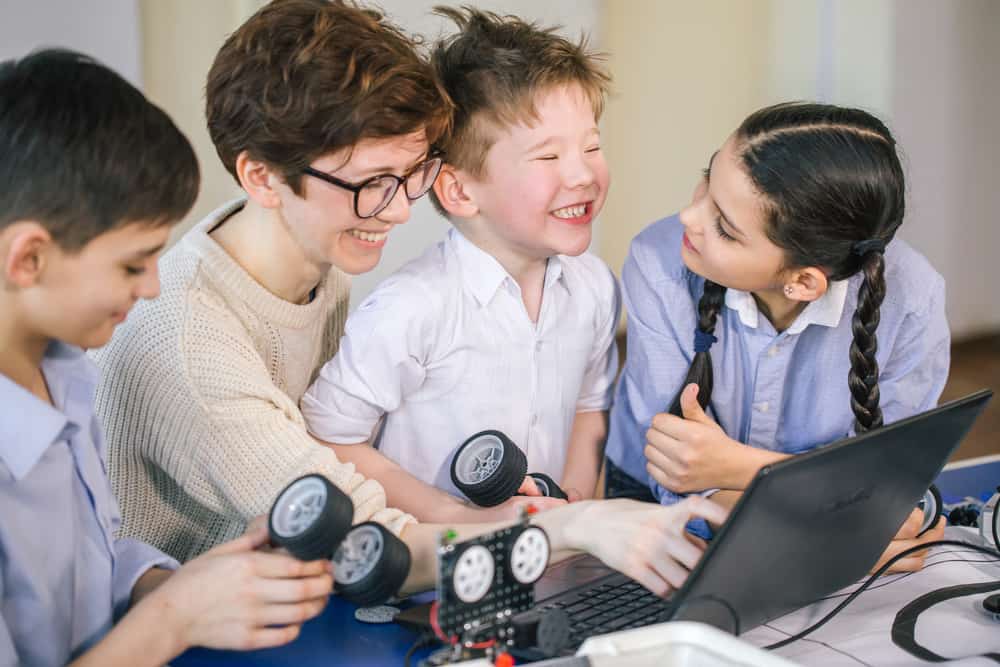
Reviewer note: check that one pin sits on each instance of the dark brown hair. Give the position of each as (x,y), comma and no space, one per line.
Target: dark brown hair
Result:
(833,192)
(305,78)
(493,69)
(84,152)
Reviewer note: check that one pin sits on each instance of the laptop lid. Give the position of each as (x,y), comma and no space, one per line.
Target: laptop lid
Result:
(814,523)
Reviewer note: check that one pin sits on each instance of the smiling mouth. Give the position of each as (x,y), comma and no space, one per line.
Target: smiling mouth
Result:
(572,212)
(689,245)
(371,237)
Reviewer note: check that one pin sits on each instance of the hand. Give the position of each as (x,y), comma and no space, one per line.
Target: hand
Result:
(907,538)
(694,453)
(528,487)
(510,509)
(233,596)
(647,542)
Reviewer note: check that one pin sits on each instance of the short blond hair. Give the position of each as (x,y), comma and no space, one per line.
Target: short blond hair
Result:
(494,68)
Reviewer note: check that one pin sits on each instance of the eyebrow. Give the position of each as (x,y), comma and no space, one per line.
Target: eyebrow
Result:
(548,140)
(148,252)
(379,171)
(722,214)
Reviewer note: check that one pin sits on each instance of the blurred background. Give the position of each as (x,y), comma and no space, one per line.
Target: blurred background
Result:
(685,75)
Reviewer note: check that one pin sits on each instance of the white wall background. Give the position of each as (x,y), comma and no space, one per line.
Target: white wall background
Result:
(105,29)
(686,74)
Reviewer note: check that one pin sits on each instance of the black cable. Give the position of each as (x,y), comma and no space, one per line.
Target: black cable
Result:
(423,640)
(878,573)
(903,575)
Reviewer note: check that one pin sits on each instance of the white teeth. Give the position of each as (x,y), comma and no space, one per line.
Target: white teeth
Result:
(367,236)
(570,211)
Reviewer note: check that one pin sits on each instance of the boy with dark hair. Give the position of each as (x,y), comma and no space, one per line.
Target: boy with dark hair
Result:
(93,178)
(508,323)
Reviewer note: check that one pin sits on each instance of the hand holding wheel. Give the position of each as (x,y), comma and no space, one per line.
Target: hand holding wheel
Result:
(489,468)
(310,518)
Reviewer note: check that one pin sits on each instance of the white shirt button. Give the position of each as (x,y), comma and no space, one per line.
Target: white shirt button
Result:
(762,407)
(773,350)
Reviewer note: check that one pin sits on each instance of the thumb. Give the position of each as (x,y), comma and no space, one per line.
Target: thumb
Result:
(255,537)
(528,487)
(690,408)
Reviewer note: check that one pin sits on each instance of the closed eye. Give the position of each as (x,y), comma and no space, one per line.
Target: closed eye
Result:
(720,230)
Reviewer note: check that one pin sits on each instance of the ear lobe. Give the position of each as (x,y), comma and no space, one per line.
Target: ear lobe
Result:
(452,194)
(256,178)
(810,284)
(25,253)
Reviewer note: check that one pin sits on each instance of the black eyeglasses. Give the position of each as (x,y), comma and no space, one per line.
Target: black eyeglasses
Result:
(374,194)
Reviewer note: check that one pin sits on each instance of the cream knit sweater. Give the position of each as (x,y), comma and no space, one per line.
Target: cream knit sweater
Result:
(199,398)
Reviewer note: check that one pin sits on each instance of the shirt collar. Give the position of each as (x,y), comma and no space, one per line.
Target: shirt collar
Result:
(29,425)
(824,311)
(484,275)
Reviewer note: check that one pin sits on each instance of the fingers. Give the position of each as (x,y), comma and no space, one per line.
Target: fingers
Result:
(528,487)
(306,589)
(256,536)
(543,503)
(290,614)
(911,526)
(916,560)
(279,566)
(703,508)
(270,637)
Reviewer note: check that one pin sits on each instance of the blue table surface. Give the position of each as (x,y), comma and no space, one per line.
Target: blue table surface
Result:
(337,638)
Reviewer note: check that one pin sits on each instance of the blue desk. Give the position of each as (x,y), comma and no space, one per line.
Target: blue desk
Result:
(336,638)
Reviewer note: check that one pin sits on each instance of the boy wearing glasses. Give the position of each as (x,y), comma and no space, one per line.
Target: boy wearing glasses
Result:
(508,323)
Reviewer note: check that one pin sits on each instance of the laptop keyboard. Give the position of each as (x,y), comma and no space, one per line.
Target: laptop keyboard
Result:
(616,603)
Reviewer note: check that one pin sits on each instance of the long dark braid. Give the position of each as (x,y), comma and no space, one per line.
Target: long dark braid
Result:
(833,190)
(863,376)
(700,372)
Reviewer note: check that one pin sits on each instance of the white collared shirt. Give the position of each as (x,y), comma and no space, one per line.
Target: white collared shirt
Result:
(824,311)
(444,348)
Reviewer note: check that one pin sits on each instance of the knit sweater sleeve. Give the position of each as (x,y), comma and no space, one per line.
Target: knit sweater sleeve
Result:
(251,439)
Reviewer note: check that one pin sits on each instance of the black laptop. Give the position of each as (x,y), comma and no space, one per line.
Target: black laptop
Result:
(805,527)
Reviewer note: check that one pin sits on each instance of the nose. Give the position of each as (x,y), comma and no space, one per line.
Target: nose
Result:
(148,286)
(398,210)
(689,215)
(578,172)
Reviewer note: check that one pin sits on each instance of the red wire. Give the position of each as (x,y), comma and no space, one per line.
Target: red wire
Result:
(453,639)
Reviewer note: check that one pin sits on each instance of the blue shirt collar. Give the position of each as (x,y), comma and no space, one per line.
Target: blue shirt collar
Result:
(484,275)
(29,425)
(824,311)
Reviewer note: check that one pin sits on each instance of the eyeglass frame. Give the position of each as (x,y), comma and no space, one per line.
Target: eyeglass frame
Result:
(356,188)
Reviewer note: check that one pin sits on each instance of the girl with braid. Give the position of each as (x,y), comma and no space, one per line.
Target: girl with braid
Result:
(776,313)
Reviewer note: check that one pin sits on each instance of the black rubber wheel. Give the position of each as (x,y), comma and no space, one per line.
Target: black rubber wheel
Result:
(528,555)
(547,631)
(488,468)
(370,565)
(932,507)
(310,518)
(548,486)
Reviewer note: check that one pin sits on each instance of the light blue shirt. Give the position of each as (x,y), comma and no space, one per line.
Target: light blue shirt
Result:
(786,392)
(64,578)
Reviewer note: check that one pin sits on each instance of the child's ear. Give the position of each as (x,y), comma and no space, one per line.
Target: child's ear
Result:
(452,193)
(25,247)
(806,284)
(257,179)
